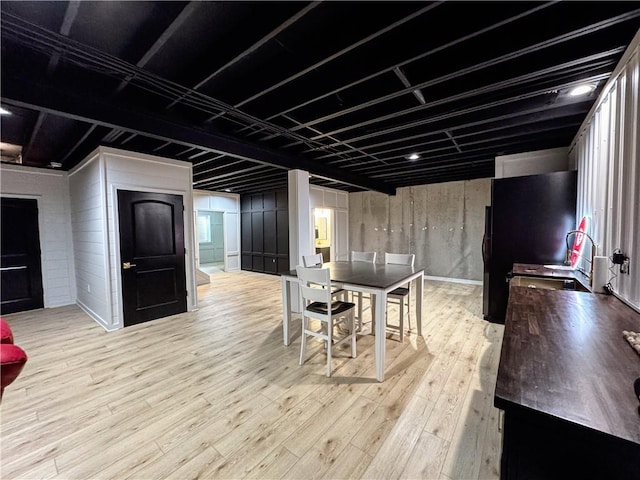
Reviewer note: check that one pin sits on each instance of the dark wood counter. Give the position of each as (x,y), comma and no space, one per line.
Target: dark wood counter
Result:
(565,383)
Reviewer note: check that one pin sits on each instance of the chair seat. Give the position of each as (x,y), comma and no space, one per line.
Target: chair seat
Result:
(336,307)
(399,292)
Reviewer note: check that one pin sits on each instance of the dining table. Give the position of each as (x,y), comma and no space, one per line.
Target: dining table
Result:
(375,279)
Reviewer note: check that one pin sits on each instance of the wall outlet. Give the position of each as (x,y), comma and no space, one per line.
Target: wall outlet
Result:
(88,288)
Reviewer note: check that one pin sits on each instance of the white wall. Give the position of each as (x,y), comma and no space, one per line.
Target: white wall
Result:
(90,246)
(607,154)
(533,163)
(229,203)
(139,172)
(94,186)
(50,189)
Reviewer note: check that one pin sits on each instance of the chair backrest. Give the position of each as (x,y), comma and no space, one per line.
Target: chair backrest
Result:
(369,257)
(313,260)
(315,284)
(400,258)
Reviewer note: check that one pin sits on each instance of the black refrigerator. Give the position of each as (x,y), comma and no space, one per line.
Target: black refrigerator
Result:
(527,222)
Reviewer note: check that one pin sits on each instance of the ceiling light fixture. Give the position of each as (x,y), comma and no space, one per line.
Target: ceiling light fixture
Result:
(413,156)
(4,111)
(582,90)
(55,164)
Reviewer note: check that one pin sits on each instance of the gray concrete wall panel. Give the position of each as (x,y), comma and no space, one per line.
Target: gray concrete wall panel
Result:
(442,224)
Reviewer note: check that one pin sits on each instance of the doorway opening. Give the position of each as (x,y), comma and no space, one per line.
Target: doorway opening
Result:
(323,232)
(211,257)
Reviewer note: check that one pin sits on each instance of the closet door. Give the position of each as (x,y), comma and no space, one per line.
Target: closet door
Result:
(21,270)
(265,232)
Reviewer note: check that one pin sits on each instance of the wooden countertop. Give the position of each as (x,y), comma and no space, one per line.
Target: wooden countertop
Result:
(563,354)
(531,270)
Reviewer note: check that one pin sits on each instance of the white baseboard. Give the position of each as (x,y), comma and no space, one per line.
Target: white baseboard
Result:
(59,304)
(453,280)
(97,318)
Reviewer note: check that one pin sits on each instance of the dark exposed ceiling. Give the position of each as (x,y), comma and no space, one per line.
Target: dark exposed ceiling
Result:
(346,90)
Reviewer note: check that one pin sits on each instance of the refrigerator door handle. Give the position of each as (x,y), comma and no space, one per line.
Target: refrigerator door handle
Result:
(484,248)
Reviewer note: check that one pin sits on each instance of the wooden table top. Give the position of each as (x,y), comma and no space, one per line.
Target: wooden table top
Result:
(563,354)
(368,274)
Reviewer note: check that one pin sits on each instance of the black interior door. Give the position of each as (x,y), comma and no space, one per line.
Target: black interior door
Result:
(152,254)
(20,271)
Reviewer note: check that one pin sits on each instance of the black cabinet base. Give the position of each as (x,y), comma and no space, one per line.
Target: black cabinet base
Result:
(537,447)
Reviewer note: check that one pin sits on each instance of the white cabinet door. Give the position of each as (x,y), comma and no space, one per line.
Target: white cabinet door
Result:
(342,235)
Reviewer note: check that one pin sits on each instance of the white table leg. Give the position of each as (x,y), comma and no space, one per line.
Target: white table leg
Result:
(381,321)
(419,298)
(286,310)
(373,310)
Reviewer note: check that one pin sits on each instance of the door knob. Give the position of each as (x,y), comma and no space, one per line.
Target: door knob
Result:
(128,265)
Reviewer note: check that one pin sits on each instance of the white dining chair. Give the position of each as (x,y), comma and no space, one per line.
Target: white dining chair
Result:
(317,260)
(367,257)
(398,295)
(317,303)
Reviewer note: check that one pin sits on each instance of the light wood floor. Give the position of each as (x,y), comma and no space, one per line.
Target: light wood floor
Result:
(216,394)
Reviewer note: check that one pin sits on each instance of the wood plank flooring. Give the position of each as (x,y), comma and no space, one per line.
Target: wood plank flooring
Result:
(216,394)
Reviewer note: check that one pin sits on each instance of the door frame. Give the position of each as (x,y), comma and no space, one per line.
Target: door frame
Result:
(42,235)
(189,229)
(224,234)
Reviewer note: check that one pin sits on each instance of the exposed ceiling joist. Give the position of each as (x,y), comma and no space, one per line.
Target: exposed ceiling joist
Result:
(405,81)
(340,53)
(186,12)
(412,59)
(65,28)
(328,87)
(253,48)
(26,151)
(70,104)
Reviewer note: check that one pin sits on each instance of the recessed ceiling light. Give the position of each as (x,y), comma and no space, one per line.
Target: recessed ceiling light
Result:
(581,90)
(4,111)
(55,164)
(227,190)
(413,156)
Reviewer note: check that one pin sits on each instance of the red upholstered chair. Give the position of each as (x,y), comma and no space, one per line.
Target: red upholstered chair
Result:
(6,335)
(12,357)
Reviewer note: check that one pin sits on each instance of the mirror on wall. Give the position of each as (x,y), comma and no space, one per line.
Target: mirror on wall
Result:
(321,229)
